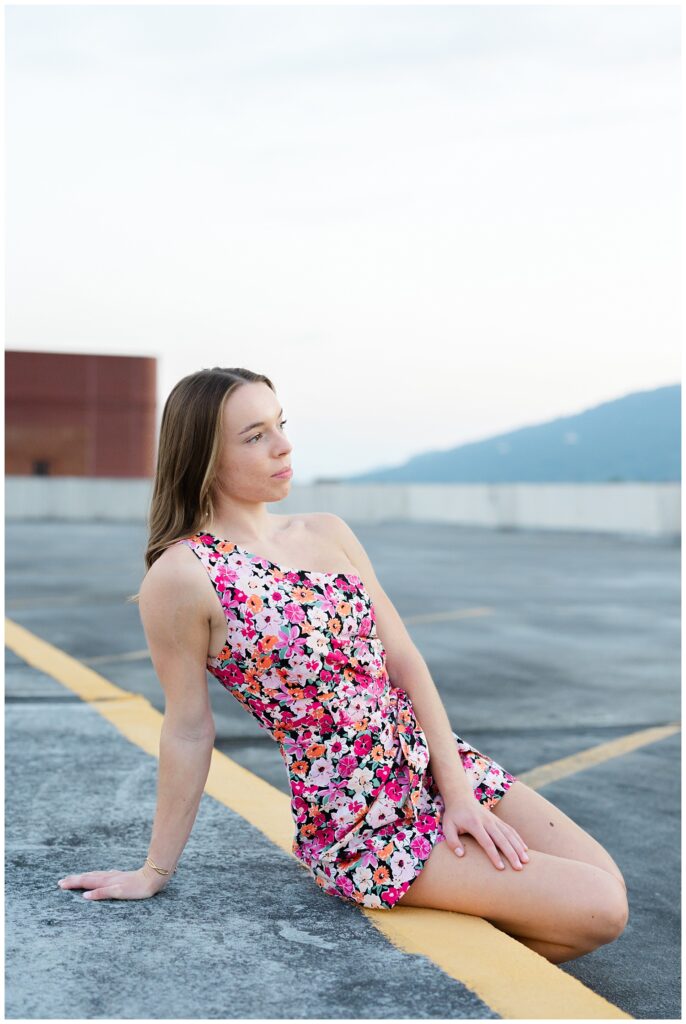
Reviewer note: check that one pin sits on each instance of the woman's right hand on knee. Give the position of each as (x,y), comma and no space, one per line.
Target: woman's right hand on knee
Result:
(115,885)
(489,831)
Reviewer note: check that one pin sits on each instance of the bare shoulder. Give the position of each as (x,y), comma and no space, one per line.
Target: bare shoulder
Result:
(334,529)
(326,525)
(176,578)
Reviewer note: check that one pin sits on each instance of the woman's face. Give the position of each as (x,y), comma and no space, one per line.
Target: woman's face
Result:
(254,446)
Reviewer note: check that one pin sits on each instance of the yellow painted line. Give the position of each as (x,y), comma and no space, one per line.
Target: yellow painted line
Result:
(514,981)
(449,616)
(80,679)
(546,773)
(264,806)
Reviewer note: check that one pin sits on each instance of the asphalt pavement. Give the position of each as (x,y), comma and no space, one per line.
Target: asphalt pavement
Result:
(559,642)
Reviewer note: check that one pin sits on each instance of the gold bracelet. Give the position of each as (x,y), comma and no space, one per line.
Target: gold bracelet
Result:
(160,871)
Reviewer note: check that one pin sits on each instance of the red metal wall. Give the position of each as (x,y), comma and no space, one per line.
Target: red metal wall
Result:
(79,415)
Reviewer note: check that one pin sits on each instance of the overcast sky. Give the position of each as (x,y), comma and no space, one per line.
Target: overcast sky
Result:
(427,225)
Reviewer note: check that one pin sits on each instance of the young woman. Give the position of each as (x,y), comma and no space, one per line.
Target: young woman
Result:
(390,805)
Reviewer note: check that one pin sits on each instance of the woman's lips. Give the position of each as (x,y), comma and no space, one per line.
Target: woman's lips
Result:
(284,473)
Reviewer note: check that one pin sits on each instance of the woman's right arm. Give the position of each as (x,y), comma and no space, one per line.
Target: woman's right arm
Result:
(174,612)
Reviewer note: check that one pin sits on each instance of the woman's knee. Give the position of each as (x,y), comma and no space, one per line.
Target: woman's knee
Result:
(610,913)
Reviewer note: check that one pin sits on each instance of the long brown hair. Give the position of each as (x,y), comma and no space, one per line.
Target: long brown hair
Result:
(187,454)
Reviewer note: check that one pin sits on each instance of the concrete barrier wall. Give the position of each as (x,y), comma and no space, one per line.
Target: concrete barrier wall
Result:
(650,509)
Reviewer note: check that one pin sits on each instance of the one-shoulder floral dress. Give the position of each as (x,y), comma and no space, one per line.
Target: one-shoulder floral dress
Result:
(302,655)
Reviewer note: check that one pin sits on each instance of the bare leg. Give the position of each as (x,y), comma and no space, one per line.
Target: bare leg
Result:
(565,907)
(544,827)
(555,952)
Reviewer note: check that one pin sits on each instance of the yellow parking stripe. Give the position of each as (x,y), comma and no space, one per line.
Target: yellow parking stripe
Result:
(134,716)
(546,773)
(513,980)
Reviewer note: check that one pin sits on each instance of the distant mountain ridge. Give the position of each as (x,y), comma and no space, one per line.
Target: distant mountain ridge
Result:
(633,438)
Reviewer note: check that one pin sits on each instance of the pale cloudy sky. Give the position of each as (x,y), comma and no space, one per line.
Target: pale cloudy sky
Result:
(427,224)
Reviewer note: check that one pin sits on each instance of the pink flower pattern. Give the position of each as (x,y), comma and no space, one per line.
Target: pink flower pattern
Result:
(303,657)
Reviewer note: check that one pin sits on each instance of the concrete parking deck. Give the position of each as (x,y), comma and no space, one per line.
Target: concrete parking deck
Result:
(557,654)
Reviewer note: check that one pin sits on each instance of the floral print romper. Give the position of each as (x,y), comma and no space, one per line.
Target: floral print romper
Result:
(302,655)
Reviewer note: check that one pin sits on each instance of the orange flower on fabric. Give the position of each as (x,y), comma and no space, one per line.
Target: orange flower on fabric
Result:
(303,658)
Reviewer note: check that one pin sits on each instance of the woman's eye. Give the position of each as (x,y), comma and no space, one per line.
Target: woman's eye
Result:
(255,438)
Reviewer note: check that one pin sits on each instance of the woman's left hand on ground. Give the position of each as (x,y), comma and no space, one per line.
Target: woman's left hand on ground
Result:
(489,831)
